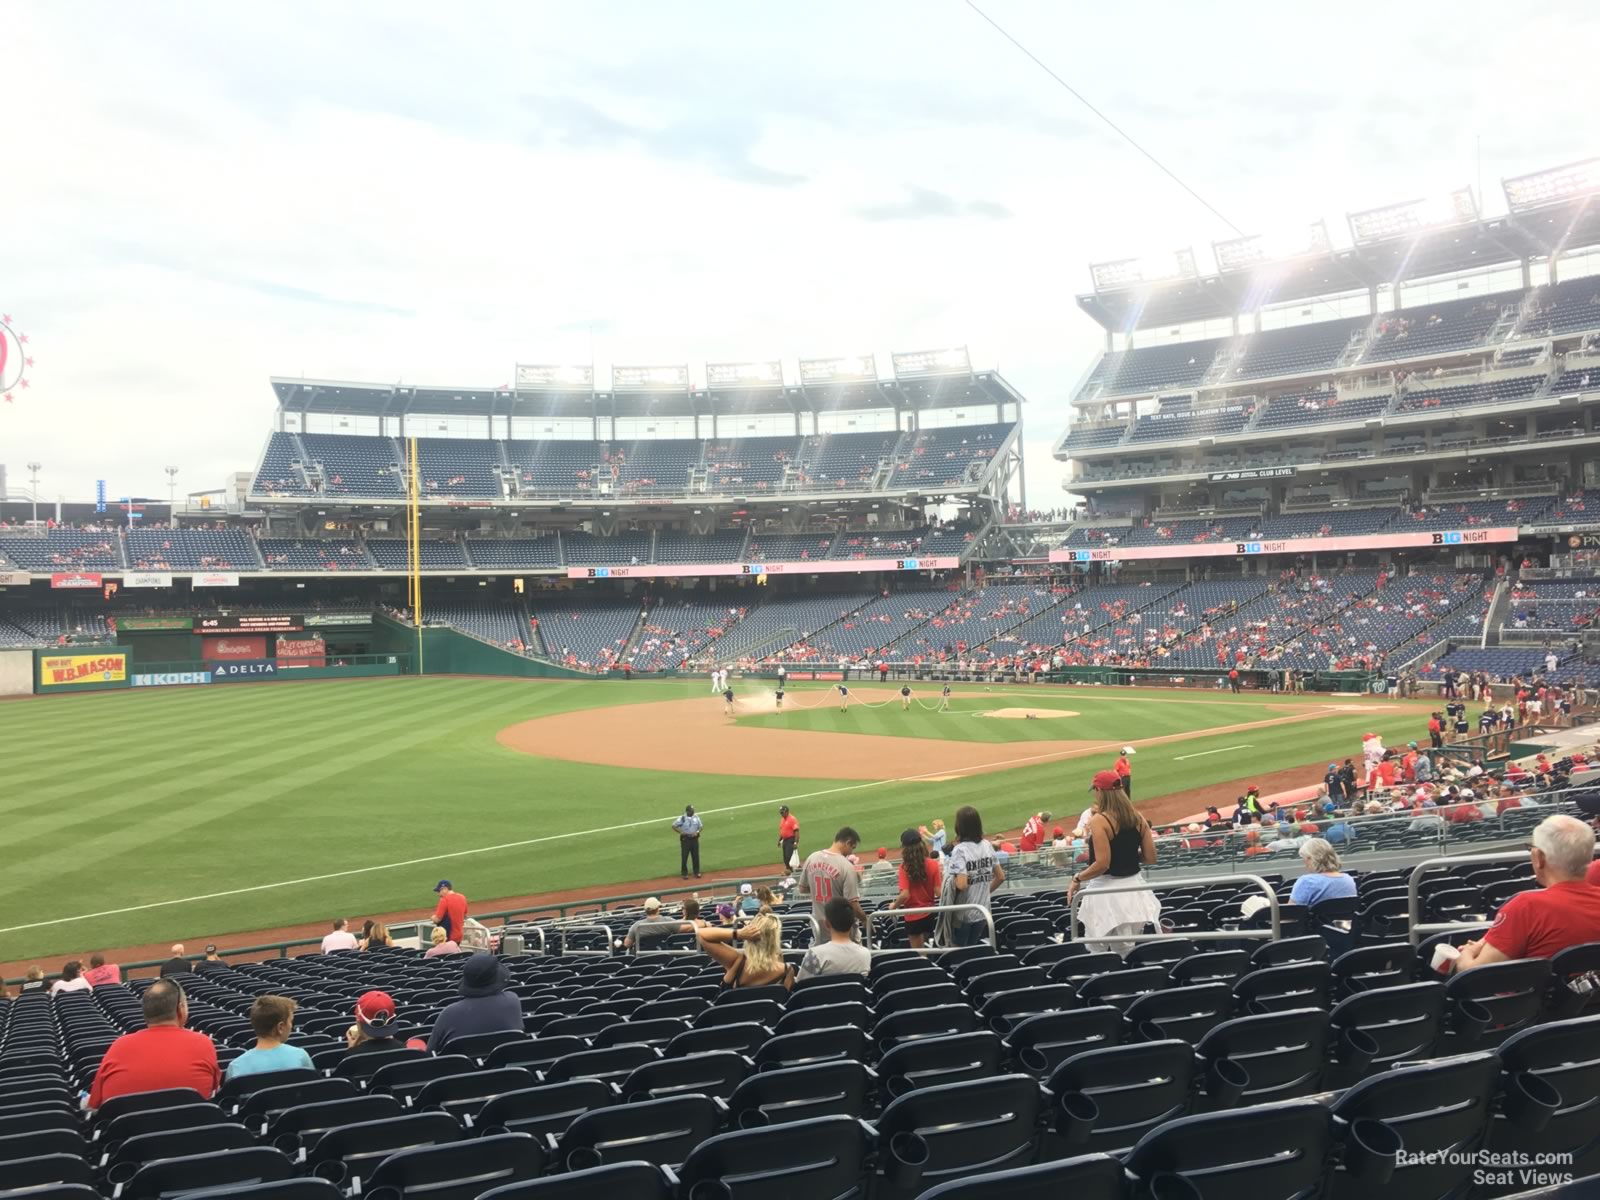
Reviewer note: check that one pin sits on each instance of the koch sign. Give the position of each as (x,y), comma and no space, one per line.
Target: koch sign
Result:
(172,679)
(1325,545)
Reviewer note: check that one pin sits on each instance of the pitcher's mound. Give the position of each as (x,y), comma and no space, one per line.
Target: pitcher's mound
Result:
(1026,714)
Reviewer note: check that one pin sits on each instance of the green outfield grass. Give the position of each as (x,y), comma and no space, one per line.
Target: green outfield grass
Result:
(122,800)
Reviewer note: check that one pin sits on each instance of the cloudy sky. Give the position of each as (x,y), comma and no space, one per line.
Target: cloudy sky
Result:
(198,196)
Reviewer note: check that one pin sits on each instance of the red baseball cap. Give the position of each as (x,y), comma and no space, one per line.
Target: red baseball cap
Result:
(1106,781)
(375,1013)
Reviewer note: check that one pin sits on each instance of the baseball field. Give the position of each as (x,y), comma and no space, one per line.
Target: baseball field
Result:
(141,817)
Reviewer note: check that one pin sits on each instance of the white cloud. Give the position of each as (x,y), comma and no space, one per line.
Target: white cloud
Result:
(209,195)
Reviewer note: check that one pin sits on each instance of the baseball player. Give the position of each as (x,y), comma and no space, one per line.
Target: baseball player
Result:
(779,695)
(944,699)
(727,701)
(905,696)
(844,697)
(716,680)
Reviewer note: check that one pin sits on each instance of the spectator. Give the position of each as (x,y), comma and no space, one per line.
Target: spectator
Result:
(71,980)
(376,1027)
(935,836)
(366,933)
(162,1055)
(177,964)
(378,938)
(650,932)
(272,1021)
(759,964)
(451,911)
(882,866)
(748,904)
(1121,842)
(339,939)
(32,980)
(1324,877)
(486,1006)
(440,944)
(101,971)
(1033,831)
(841,954)
(920,881)
(212,961)
(972,876)
(829,873)
(1563,911)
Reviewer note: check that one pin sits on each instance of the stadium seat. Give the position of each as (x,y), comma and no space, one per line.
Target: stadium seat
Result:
(1088,1177)
(347,1154)
(931,1061)
(620,1181)
(803,1160)
(457,1171)
(1043,1042)
(836,1088)
(1282,1054)
(222,1168)
(1488,1004)
(713,1073)
(1284,1154)
(543,1111)
(1398,1023)
(1104,1100)
(816,1045)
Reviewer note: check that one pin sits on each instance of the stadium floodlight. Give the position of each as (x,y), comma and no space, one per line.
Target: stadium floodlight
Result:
(932,362)
(1239,254)
(860,368)
(649,379)
(730,376)
(1155,268)
(1414,216)
(547,378)
(1553,186)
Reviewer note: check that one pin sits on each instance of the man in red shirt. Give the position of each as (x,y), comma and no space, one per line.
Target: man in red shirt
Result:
(163,1055)
(1033,831)
(1564,911)
(788,837)
(451,912)
(1124,770)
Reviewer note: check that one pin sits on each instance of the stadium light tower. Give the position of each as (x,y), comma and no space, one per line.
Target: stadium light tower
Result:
(33,490)
(172,489)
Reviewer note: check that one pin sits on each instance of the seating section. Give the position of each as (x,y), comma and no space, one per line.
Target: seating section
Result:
(394,554)
(500,623)
(972,619)
(587,634)
(555,468)
(1567,605)
(949,456)
(784,621)
(621,550)
(1580,508)
(281,472)
(1499,391)
(65,550)
(1301,349)
(722,546)
(1182,425)
(356,466)
(873,628)
(955,539)
(458,467)
(1470,514)
(1095,437)
(1571,306)
(676,631)
(191,549)
(649,467)
(1320,408)
(755,465)
(1090,619)
(1205,625)
(1152,368)
(1157,532)
(845,461)
(888,544)
(1497,662)
(788,547)
(1342,522)
(1438,328)
(511,553)
(1402,612)
(313,554)
(1576,379)
(46,626)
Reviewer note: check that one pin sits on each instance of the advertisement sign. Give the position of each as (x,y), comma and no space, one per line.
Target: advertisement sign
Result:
(1253,473)
(153,624)
(147,579)
(302,652)
(533,376)
(261,668)
(320,620)
(215,579)
(74,579)
(1326,545)
(232,648)
(944,562)
(860,368)
(14,579)
(249,623)
(172,679)
(650,379)
(744,375)
(56,670)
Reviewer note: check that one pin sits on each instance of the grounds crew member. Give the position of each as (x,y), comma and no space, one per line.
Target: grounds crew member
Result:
(688,827)
(788,837)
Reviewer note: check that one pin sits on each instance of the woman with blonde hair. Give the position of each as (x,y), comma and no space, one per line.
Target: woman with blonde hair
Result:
(761,961)
(1121,843)
(442,944)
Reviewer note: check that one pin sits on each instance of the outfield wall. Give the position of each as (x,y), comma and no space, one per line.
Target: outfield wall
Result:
(89,668)
(16,672)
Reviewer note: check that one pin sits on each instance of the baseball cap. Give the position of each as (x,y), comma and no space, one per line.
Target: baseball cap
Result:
(1058,832)
(443,883)
(1333,766)
(1106,781)
(1411,745)
(652,905)
(375,1015)
(745,889)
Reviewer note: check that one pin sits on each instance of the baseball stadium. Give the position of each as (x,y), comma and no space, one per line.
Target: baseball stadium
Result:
(714,780)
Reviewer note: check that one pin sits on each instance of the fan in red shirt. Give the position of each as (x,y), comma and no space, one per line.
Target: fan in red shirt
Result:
(163,1055)
(1564,911)
(1033,831)
(451,912)
(920,879)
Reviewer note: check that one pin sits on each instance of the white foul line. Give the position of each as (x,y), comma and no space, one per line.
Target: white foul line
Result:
(1177,757)
(554,837)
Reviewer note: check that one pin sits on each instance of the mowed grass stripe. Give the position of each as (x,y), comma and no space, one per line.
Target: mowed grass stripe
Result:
(288,746)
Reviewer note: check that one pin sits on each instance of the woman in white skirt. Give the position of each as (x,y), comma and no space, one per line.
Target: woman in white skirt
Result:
(1121,843)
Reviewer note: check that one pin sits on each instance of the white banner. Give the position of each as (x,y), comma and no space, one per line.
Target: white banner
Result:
(215,579)
(147,579)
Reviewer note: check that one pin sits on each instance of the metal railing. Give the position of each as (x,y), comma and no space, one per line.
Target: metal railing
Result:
(1414,891)
(981,909)
(1272,933)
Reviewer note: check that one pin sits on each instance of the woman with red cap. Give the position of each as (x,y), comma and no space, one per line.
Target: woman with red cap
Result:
(1121,843)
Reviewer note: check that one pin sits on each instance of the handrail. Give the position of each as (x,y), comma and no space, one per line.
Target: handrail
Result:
(1414,891)
(981,909)
(584,927)
(1270,934)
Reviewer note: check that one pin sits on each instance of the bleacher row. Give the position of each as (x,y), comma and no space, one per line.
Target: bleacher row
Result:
(354,465)
(1037,1068)
(1448,327)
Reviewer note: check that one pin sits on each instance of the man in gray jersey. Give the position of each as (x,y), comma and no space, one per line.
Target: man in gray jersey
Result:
(829,873)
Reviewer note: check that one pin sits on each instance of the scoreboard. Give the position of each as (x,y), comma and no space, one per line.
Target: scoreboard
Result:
(249,623)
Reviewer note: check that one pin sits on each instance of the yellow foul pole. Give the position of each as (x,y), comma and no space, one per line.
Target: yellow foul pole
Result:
(414,511)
